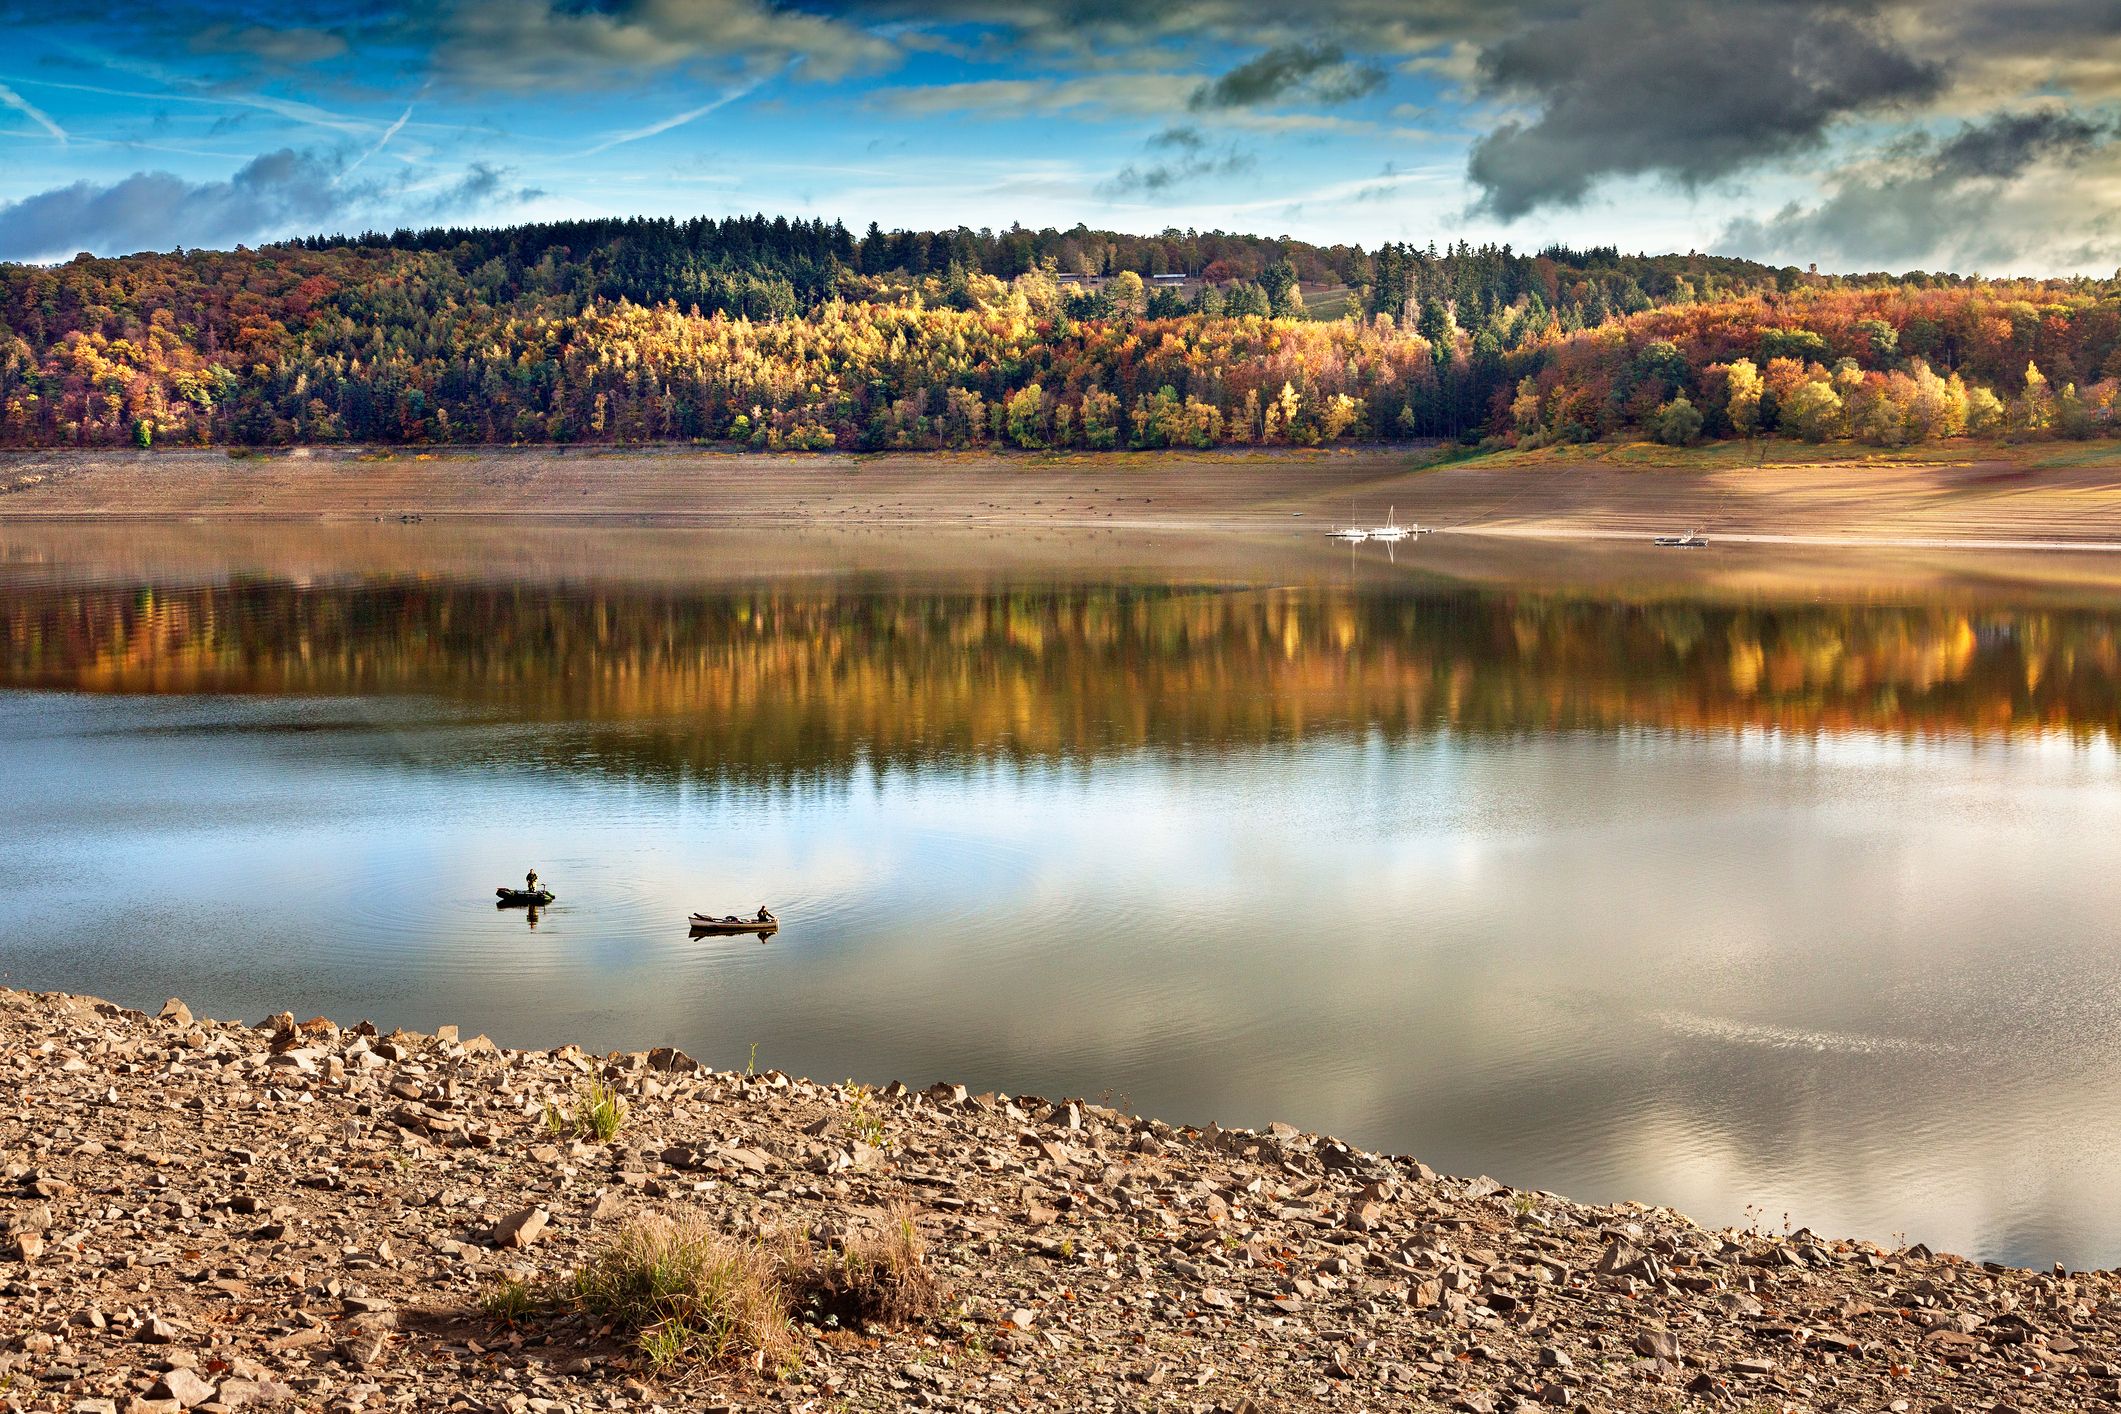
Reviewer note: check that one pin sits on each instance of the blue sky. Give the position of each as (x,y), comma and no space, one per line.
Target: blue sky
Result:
(1859,134)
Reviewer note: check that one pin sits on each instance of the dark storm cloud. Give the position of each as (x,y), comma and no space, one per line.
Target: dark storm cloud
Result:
(1679,89)
(1319,72)
(1912,207)
(278,193)
(2006,143)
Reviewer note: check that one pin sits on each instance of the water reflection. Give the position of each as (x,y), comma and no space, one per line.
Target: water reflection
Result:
(788,679)
(1705,898)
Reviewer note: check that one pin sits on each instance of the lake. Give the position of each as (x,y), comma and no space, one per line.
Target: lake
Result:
(1763,893)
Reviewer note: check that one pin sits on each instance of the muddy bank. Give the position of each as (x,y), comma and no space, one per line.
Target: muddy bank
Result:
(1974,503)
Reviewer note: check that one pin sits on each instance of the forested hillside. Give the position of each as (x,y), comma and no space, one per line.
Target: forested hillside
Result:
(777,334)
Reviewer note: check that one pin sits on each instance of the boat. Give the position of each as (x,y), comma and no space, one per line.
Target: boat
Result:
(1692,540)
(1351,532)
(1391,529)
(730,924)
(523,898)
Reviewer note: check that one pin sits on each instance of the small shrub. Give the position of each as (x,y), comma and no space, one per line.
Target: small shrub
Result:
(685,1292)
(596,1113)
(867,1124)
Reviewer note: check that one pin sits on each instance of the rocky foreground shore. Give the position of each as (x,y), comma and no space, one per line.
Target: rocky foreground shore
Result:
(215,1215)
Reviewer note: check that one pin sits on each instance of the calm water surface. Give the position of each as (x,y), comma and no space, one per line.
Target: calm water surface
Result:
(1700,895)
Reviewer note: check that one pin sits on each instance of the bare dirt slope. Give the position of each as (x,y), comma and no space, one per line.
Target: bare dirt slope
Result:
(2001,503)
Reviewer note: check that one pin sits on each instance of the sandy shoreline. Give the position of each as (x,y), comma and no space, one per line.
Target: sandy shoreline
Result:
(215,1215)
(1990,504)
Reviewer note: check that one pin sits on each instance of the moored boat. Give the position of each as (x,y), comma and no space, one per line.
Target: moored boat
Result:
(763,924)
(1692,540)
(523,898)
(1391,529)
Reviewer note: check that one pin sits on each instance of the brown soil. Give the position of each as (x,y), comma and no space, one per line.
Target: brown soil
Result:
(1978,503)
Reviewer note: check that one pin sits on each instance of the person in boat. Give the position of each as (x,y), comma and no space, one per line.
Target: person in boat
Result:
(764,916)
(530,882)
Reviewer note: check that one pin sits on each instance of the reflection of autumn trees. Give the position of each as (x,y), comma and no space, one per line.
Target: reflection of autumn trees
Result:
(800,678)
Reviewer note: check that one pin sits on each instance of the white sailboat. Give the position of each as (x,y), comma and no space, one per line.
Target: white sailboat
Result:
(1391,529)
(1351,532)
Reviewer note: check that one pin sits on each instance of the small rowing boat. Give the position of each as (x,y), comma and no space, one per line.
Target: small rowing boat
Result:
(1692,540)
(523,898)
(729,924)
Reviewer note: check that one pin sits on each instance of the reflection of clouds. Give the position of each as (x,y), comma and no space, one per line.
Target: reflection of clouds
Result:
(1866,981)
(1787,1038)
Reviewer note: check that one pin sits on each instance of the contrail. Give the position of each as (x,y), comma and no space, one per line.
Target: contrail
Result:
(381,143)
(678,121)
(32,112)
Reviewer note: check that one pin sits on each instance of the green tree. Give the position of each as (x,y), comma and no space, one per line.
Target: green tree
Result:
(1284,296)
(1678,422)
(1813,411)
(1027,420)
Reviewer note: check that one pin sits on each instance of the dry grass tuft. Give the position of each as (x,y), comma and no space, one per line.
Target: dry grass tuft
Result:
(878,1277)
(687,1293)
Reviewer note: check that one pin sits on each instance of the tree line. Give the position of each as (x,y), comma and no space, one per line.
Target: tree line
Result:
(797,334)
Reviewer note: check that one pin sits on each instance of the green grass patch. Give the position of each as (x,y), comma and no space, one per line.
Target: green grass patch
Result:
(513,1301)
(596,1113)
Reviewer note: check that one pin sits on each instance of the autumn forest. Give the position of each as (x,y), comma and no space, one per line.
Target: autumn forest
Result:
(800,335)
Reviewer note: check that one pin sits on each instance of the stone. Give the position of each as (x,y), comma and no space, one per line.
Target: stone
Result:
(183,1386)
(175,1010)
(156,1331)
(254,1394)
(671,1060)
(521,1228)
